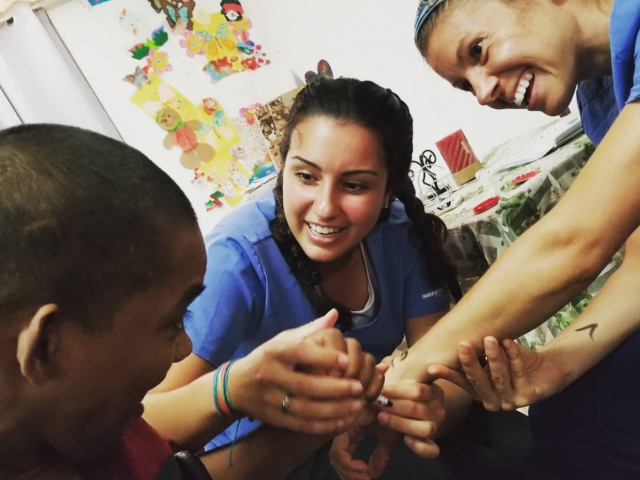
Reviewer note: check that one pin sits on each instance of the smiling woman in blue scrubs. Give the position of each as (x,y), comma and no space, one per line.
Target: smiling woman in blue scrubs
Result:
(534,54)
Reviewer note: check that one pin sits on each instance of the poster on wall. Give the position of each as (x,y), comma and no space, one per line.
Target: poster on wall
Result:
(175,78)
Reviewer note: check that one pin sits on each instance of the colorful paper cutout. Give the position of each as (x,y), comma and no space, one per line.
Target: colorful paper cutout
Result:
(193,43)
(182,134)
(93,3)
(179,13)
(159,61)
(272,119)
(249,113)
(158,38)
(134,23)
(214,129)
(324,70)
(232,10)
(139,77)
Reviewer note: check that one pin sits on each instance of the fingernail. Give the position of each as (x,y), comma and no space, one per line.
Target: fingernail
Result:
(490,345)
(356,388)
(408,440)
(357,406)
(462,351)
(343,360)
(340,424)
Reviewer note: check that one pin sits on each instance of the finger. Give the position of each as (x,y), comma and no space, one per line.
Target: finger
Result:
(356,358)
(516,365)
(424,448)
(422,429)
(372,379)
(386,361)
(454,376)
(499,368)
(412,390)
(328,320)
(342,457)
(317,357)
(380,456)
(307,385)
(321,410)
(477,377)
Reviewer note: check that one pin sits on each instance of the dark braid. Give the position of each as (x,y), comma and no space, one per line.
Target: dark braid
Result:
(433,233)
(382,112)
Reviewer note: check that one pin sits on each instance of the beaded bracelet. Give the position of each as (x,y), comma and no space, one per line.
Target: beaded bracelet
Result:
(221,394)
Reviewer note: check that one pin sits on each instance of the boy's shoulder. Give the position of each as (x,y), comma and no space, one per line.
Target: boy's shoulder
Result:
(249,221)
(144,455)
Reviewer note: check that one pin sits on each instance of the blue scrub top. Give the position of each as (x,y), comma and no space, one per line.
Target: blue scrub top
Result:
(251,294)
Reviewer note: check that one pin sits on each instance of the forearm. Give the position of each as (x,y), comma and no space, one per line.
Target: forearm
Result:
(611,317)
(505,303)
(268,453)
(457,404)
(553,260)
(186,415)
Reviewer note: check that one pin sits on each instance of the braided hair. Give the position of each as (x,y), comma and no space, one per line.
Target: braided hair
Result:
(382,112)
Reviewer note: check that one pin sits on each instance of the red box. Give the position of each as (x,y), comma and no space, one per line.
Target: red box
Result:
(459,157)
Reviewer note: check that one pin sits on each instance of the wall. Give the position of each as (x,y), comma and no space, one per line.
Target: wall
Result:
(368,39)
(373,39)
(40,79)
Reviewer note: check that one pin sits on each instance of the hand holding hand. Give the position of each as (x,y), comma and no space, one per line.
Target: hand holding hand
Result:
(514,377)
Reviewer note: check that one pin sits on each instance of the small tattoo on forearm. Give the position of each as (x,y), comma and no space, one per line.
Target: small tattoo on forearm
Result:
(591,328)
(400,357)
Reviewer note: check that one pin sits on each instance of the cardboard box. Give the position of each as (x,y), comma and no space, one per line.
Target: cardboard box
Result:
(459,157)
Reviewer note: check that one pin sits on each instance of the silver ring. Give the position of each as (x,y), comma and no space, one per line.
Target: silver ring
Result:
(286,403)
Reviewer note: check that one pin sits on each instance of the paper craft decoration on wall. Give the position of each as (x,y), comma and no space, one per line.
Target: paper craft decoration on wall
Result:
(324,70)
(179,13)
(139,78)
(232,10)
(158,38)
(182,134)
(203,132)
(272,119)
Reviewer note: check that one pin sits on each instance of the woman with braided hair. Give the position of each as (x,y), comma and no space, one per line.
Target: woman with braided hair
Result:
(342,229)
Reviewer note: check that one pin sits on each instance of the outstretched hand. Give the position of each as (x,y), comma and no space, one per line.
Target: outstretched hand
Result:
(514,377)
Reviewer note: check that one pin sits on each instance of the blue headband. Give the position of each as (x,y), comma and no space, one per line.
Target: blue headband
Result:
(425,9)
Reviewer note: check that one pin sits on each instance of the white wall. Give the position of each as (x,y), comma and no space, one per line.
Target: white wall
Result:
(373,39)
(40,79)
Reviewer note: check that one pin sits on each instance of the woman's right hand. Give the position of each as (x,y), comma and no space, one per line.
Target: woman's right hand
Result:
(514,377)
(314,366)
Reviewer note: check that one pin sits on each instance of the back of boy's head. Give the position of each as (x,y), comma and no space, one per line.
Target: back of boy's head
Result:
(85,222)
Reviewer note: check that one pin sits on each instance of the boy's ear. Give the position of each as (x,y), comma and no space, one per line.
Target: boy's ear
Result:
(37,344)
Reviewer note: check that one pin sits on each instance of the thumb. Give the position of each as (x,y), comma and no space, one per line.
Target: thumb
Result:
(328,320)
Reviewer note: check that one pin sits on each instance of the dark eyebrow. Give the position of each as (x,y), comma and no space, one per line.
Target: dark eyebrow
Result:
(185,300)
(191,294)
(459,52)
(345,174)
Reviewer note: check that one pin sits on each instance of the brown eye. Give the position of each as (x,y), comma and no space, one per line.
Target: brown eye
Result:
(476,50)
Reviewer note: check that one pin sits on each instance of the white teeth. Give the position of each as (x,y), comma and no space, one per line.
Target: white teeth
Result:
(323,230)
(521,91)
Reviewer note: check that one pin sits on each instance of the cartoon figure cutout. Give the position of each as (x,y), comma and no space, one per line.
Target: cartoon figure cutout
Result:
(324,70)
(183,135)
(232,10)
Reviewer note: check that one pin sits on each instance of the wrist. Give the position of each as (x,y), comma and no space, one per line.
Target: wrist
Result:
(225,380)
(556,355)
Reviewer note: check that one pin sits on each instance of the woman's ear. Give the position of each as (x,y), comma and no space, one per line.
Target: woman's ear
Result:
(38,343)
